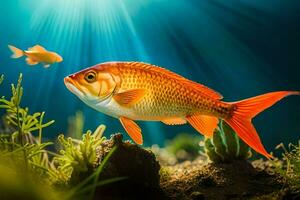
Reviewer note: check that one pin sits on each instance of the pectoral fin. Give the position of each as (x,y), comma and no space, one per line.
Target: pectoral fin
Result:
(30,61)
(133,130)
(174,121)
(130,97)
(204,124)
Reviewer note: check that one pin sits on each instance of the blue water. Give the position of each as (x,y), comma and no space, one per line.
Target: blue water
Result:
(239,48)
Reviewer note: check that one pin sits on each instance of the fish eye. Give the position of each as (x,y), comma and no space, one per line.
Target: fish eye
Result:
(90,77)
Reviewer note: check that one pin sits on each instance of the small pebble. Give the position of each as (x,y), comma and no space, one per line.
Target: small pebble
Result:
(197,196)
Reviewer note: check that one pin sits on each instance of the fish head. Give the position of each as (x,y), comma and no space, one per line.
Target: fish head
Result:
(57,57)
(92,85)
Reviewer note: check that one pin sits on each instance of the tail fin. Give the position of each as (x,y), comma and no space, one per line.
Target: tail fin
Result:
(246,109)
(17,53)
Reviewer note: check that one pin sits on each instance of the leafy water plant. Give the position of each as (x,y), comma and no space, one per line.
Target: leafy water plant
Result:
(1,78)
(289,165)
(19,117)
(184,146)
(75,125)
(20,144)
(78,166)
(225,146)
(78,158)
(23,185)
(23,152)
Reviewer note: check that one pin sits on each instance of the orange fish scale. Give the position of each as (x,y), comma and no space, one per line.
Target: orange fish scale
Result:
(167,96)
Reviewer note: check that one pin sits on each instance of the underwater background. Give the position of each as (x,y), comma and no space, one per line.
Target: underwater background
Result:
(239,48)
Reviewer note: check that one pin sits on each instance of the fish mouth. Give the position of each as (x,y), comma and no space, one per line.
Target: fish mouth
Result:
(59,59)
(72,86)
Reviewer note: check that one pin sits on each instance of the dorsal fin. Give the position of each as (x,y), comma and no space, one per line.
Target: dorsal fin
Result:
(202,88)
(38,48)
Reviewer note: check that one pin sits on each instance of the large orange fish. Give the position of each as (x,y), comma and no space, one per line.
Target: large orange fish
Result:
(133,91)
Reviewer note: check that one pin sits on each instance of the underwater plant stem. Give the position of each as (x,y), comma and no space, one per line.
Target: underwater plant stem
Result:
(21,138)
(95,176)
(19,127)
(99,170)
(101,183)
(17,103)
(1,78)
(40,127)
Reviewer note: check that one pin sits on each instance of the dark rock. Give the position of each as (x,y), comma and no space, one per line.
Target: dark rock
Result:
(138,165)
(231,196)
(207,182)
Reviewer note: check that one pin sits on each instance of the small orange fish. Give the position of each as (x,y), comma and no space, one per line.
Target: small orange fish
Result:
(36,54)
(133,91)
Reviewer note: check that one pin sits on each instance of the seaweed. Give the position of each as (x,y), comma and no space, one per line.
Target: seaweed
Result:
(184,147)
(19,118)
(79,157)
(23,152)
(225,146)
(20,144)
(1,78)
(87,187)
(75,125)
(17,185)
(289,165)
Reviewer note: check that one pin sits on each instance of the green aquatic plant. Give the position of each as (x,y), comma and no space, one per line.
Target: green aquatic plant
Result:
(1,78)
(184,146)
(225,146)
(75,125)
(77,158)
(87,187)
(15,184)
(20,144)
(78,163)
(165,173)
(289,165)
(19,118)
(75,168)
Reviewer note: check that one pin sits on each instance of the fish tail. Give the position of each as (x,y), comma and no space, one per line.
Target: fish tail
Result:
(245,110)
(17,53)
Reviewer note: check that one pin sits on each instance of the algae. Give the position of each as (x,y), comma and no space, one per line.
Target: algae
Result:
(225,146)
(24,154)
(179,149)
(20,144)
(75,125)
(78,158)
(185,146)
(289,165)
